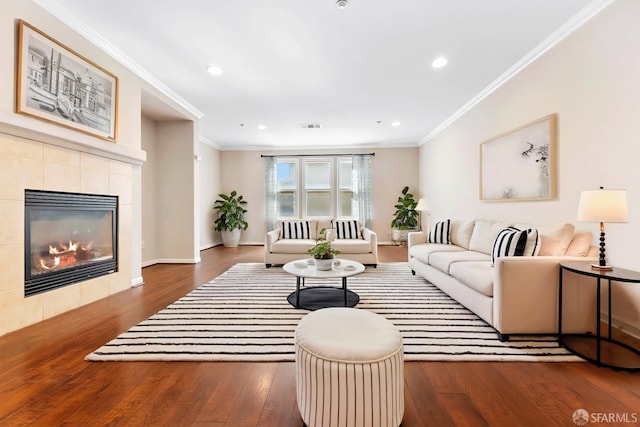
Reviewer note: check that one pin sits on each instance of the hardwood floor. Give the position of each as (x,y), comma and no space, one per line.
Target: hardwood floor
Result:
(44,380)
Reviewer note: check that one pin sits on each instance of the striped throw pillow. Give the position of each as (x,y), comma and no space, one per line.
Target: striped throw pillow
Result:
(347,229)
(440,233)
(515,242)
(296,230)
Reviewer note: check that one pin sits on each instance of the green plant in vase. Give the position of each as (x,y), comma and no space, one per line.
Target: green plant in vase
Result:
(230,220)
(405,217)
(322,252)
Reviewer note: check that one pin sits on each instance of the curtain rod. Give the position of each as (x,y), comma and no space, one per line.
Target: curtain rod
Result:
(316,155)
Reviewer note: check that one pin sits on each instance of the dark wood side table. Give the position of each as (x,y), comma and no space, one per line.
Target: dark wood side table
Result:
(607,352)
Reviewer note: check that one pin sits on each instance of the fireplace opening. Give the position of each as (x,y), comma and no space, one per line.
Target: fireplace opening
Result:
(69,238)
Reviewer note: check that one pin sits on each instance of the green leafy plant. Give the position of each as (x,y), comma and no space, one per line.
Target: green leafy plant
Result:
(323,249)
(405,216)
(230,212)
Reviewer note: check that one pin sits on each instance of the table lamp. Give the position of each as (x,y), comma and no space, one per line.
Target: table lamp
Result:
(420,207)
(603,206)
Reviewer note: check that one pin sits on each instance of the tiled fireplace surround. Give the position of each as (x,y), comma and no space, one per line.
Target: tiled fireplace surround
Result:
(26,163)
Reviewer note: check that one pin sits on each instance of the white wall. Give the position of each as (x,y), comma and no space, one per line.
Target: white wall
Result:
(177,192)
(149,226)
(209,190)
(392,169)
(592,81)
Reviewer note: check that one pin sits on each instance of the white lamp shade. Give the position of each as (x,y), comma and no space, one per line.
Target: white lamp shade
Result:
(422,205)
(603,206)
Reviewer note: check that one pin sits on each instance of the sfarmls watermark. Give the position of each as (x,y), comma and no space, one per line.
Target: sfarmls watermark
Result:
(581,417)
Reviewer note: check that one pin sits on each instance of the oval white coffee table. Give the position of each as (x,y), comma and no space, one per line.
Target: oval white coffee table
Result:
(316,297)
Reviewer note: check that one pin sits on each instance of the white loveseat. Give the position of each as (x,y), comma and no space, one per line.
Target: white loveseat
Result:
(515,294)
(280,248)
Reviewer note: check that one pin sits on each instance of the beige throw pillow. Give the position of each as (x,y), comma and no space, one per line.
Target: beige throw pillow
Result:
(555,239)
(461,232)
(580,244)
(484,234)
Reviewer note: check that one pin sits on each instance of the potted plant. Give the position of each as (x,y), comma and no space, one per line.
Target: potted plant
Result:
(230,221)
(322,252)
(405,217)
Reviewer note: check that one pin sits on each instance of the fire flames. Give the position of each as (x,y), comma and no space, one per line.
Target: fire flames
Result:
(63,255)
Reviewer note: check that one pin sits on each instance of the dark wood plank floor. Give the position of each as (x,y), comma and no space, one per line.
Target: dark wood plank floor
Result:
(44,380)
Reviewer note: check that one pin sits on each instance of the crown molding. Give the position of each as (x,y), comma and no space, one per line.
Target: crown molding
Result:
(287,148)
(579,19)
(69,19)
(210,143)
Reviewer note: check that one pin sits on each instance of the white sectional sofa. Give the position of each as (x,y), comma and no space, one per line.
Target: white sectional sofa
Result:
(293,238)
(514,294)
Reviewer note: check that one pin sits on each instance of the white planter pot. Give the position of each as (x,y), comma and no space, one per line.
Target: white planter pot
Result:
(323,264)
(399,237)
(230,239)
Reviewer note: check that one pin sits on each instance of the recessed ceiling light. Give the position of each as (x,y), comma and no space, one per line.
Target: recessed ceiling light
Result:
(341,4)
(262,127)
(214,70)
(395,124)
(439,62)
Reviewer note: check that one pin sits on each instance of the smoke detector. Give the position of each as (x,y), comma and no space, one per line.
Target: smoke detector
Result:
(341,4)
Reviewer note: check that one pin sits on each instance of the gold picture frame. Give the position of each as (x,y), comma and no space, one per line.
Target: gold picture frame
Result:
(58,85)
(520,164)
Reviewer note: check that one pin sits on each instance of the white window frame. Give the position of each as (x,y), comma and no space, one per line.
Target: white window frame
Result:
(305,190)
(339,189)
(300,204)
(296,203)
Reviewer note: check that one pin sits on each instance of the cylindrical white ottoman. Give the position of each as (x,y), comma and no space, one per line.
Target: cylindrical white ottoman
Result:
(349,369)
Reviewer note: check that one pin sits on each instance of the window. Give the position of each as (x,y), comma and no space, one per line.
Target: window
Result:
(345,188)
(326,188)
(286,188)
(317,188)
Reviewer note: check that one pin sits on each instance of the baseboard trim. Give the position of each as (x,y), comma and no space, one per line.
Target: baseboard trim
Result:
(623,326)
(138,281)
(209,246)
(171,261)
(179,261)
(387,243)
(149,263)
(215,245)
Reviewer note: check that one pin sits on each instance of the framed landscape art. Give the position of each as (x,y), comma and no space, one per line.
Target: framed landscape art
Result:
(56,84)
(520,164)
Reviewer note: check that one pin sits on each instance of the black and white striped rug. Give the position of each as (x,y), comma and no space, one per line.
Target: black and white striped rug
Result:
(243,315)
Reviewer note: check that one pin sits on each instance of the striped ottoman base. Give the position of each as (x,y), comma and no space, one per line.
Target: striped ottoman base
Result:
(349,369)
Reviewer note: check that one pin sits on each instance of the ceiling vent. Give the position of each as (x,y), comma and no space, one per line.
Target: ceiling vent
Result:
(310,125)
